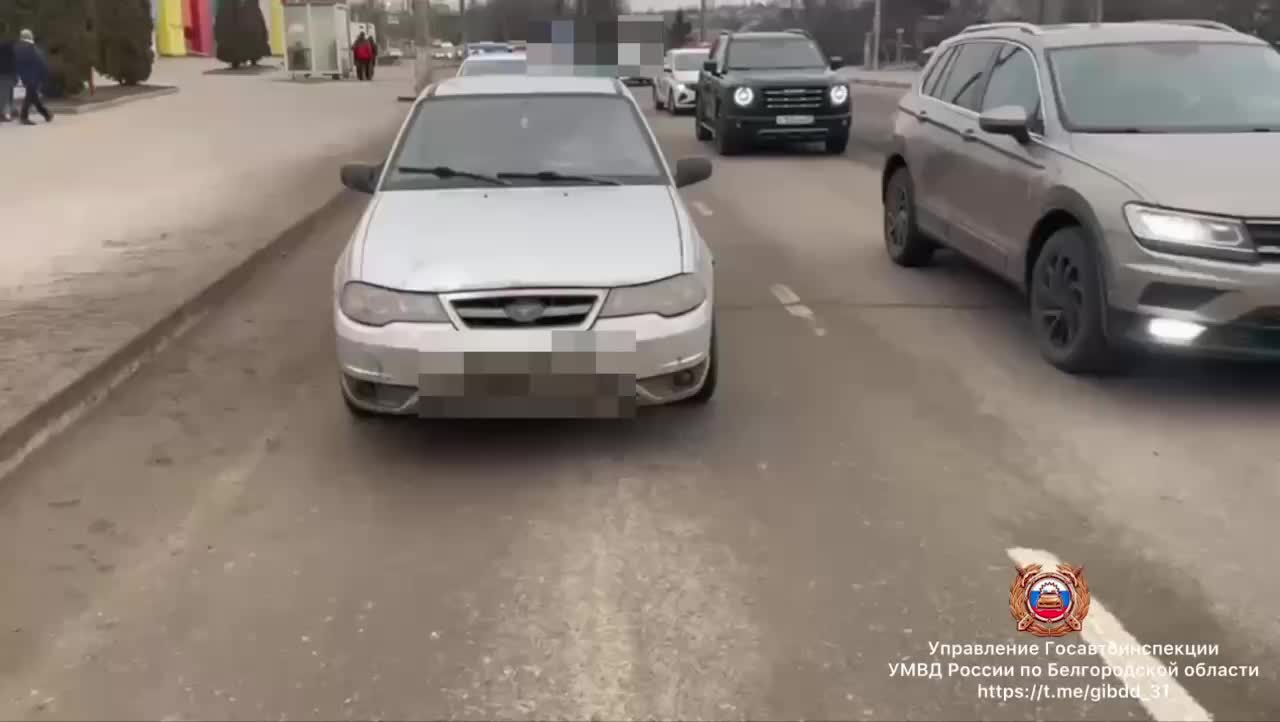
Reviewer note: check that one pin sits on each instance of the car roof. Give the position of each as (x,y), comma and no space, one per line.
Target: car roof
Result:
(768,35)
(495,58)
(689,51)
(525,85)
(1084,34)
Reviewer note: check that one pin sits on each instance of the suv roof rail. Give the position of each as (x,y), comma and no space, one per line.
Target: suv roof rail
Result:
(1029,28)
(1208,24)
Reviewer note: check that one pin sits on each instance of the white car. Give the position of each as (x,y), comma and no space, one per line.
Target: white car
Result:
(677,87)
(526,253)
(494,64)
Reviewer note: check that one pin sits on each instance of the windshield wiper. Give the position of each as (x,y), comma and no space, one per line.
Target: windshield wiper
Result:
(551,175)
(444,171)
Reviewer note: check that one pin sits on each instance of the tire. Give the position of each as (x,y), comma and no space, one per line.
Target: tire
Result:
(1067,306)
(671,104)
(699,130)
(708,389)
(906,245)
(837,144)
(656,102)
(726,143)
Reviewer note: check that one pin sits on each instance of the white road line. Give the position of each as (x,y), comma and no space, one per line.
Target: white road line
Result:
(1102,628)
(791,302)
(702,208)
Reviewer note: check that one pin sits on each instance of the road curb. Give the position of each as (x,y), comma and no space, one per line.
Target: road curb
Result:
(881,83)
(94,107)
(60,411)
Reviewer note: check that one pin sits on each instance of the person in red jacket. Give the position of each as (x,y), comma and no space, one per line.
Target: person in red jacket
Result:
(362,50)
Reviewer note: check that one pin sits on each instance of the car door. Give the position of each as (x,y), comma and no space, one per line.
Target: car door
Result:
(955,115)
(1001,202)
(921,143)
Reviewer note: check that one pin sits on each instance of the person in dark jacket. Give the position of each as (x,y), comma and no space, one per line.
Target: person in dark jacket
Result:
(33,71)
(8,79)
(373,64)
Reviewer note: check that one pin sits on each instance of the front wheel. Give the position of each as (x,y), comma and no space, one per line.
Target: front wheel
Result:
(657,102)
(1067,306)
(671,103)
(905,243)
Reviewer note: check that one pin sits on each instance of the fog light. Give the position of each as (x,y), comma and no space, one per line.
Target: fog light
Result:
(1170,330)
(683,379)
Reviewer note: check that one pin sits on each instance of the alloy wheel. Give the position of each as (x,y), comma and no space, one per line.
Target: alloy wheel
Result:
(1060,300)
(897,219)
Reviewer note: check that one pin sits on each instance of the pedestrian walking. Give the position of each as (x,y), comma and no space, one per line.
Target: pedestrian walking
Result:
(373,61)
(33,71)
(8,79)
(363,53)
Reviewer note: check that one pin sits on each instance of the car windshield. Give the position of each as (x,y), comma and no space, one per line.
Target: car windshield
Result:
(601,136)
(688,61)
(1168,87)
(774,53)
(505,66)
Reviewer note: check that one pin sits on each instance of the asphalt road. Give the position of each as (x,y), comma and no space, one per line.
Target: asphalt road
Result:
(219,540)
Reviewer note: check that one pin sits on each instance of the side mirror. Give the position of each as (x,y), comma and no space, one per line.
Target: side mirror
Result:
(692,170)
(1008,120)
(709,66)
(361,177)
(837,62)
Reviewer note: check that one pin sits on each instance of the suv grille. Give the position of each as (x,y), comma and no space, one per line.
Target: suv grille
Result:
(1266,238)
(530,310)
(788,99)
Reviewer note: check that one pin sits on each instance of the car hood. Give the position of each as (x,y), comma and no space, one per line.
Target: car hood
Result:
(1226,173)
(687,77)
(777,78)
(490,238)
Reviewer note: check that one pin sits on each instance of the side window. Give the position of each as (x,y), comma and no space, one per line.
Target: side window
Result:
(968,73)
(937,72)
(1013,82)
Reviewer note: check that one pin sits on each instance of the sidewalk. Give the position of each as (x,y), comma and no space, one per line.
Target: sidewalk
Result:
(115,219)
(885,77)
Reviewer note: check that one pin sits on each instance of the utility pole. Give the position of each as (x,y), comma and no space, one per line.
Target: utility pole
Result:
(422,43)
(462,18)
(875,38)
(702,21)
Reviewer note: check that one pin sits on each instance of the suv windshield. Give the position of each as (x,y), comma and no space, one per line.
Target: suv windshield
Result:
(512,66)
(584,135)
(688,61)
(1168,87)
(798,52)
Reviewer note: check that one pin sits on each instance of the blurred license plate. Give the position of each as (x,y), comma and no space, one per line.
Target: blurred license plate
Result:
(795,120)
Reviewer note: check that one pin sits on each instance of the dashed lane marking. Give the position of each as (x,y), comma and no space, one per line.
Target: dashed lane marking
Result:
(702,208)
(1102,628)
(791,302)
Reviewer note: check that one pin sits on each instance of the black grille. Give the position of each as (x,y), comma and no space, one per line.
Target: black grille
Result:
(493,311)
(1266,238)
(784,100)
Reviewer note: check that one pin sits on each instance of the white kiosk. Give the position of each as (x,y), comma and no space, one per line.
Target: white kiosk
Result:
(317,39)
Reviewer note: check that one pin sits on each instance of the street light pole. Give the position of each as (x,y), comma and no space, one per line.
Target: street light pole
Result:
(422,41)
(875,38)
(702,21)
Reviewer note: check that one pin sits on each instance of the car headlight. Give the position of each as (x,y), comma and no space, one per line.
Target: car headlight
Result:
(681,87)
(839,94)
(374,306)
(1189,233)
(743,96)
(669,297)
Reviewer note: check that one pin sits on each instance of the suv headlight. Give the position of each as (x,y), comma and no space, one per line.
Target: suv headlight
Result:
(1189,233)
(669,297)
(744,96)
(374,306)
(839,94)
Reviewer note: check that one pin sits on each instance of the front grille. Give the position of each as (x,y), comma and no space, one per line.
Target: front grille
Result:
(1266,238)
(793,99)
(557,310)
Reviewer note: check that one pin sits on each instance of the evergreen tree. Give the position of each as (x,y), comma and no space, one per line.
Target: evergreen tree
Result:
(240,33)
(123,29)
(63,29)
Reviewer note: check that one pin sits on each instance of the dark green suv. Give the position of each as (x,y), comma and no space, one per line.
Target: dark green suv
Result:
(771,86)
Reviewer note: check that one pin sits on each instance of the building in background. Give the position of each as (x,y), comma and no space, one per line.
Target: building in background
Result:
(185,27)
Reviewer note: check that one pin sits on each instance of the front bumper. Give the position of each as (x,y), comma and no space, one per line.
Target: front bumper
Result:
(1237,304)
(437,370)
(685,98)
(767,127)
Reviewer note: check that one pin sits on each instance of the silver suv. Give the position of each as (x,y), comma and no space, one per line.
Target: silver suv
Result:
(1121,174)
